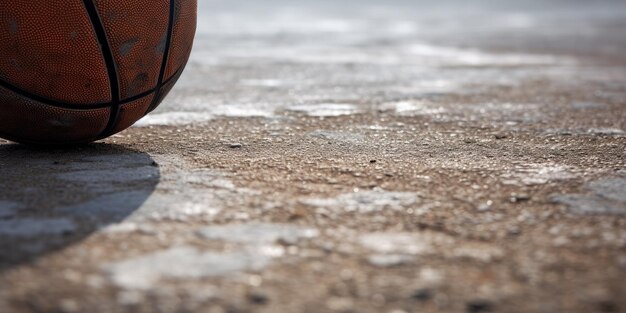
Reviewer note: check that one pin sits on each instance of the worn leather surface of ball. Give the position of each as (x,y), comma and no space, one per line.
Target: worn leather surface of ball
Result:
(75,71)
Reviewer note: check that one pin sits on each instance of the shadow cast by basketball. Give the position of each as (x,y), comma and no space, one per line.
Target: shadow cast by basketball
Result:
(50,199)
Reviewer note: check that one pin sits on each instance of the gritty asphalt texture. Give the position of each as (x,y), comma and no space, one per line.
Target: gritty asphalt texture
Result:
(354,157)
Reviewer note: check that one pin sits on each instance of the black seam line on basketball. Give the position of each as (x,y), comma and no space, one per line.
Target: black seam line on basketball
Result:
(166,56)
(70,106)
(109,60)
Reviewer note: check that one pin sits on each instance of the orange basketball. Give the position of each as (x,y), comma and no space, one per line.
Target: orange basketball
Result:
(75,71)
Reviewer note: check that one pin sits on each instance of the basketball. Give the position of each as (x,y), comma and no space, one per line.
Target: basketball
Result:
(76,71)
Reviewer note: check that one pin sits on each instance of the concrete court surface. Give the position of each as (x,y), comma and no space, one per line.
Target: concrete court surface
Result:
(346,156)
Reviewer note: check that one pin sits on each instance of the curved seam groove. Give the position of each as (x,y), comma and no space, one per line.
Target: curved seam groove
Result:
(166,56)
(107,54)
(79,107)
(50,102)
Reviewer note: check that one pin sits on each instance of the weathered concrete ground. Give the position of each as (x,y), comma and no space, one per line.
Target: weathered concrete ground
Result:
(354,158)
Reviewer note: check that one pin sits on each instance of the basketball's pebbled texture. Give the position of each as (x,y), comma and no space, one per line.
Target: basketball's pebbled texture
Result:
(75,71)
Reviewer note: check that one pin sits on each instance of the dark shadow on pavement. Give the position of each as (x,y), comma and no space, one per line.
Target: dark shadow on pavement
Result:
(51,199)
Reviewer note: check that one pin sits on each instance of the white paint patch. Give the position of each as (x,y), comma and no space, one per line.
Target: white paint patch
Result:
(269,83)
(431,276)
(184,263)
(404,243)
(209,113)
(174,119)
(400,248)
(325,109)
(125,228)
(243,110)
(185,192)
(413,108)
(538,174)
(502,107)
(30,227)
(173,190)
(390,260)
(367,201)
(193,202)
(476,251)
(256,249)
(258,233)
